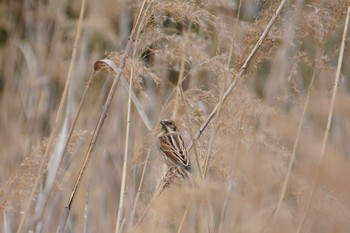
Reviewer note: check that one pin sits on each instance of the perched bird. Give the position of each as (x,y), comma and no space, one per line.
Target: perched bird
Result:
(172,147)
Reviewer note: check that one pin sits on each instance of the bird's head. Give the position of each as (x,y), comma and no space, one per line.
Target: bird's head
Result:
(168,126)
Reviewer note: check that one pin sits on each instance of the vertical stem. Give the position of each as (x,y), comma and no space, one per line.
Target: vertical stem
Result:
(329,121)
(125,163)
(59,113)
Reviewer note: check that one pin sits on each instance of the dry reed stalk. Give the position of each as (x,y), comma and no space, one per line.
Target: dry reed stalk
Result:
(125,162)
(102,118)
(329,121)
(59,113)
(177,94)
(241,72)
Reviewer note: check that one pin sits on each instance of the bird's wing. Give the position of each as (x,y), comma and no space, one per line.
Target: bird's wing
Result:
(173,147)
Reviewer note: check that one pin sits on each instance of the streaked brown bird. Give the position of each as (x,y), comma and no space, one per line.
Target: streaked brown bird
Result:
(172,146)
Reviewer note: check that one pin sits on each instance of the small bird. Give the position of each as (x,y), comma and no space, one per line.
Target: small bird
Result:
(172,146)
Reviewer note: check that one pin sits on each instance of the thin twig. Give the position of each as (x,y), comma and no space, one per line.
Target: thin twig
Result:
(86,208)
(59,113)
(292,159)
(241,72)
(183,218)
(140,186)
(223,212)
(329,121)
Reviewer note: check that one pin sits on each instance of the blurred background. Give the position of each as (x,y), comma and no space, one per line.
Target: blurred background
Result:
(249,143)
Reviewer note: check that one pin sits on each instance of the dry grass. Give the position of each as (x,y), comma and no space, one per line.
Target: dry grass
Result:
(184,57)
